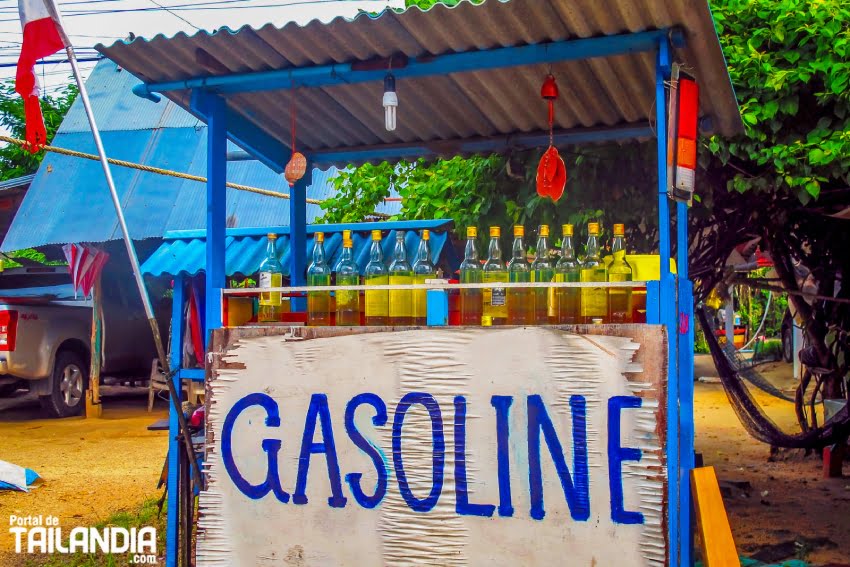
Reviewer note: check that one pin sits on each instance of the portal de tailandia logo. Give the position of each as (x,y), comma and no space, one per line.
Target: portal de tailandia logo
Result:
(42,534)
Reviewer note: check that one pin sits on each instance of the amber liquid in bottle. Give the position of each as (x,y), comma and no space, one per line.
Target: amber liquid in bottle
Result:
(520,300)
(319,274)
(568,270)
(543,271)
(271,275)
(471,300)
(619,298)
(377,300)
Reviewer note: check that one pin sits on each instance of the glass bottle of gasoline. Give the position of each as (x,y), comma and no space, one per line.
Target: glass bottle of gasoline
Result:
(319,274)
(520,300)
(377,300)
(594,300)
(271,275)
(347,301)
(568,270)
(543,271)
(619,298)
(471,300)
(495,299)
(423,269)
(401,300)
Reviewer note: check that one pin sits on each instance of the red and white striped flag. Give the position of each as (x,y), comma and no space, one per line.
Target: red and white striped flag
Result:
(43,36)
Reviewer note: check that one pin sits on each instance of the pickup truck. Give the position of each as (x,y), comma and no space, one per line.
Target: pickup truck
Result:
(45,336)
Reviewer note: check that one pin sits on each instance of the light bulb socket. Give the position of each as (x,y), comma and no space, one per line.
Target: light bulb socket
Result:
(389,83)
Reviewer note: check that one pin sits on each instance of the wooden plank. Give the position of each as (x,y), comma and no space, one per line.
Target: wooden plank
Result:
(506,400)
(718,546)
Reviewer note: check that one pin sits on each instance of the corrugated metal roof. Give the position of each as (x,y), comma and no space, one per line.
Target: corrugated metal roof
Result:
(245,250)
(595,92)
(68,200)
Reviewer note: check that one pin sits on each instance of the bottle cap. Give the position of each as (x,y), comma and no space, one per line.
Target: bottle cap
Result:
(347,243)
(567,229)
(346,234)
(471,232)
(519,231)
(320,237)
(593,228)
(544,230)
(426,234)
(486,321)
(376,235)
(495,232)
(271,236)
(619,229)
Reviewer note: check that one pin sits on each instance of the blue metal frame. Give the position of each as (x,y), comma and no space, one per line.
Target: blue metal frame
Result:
(173,480)
(298,236)
(427,65)
(663,307)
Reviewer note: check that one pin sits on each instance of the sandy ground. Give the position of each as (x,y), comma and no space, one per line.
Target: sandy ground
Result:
(91,468)
(94,468)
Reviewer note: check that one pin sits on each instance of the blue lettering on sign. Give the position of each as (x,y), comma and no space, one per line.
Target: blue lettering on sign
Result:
(503,407)
(318,408)
(574,483)
(616,456)
(270,446)
(353,479)
(576,492)
(462,506)
(438,450)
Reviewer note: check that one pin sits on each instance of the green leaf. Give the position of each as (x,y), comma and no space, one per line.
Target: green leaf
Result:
(813,188)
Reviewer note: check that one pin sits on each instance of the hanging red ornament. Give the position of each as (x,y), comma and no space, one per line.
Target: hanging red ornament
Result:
(297,166)
(551,173)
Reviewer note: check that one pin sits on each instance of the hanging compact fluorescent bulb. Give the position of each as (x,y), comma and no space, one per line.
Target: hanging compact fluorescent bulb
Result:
(390,102)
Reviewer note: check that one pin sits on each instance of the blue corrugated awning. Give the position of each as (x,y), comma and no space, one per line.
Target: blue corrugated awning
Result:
(184,252)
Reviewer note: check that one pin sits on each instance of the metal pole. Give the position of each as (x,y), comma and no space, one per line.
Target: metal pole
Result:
(131,252)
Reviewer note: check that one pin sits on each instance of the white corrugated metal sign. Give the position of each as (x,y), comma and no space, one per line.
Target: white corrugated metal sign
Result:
(506,446)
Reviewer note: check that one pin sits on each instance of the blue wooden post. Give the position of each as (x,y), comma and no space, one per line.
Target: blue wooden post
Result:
(298,235)
(667,303)
(686,385)
(174,447)
(214,109)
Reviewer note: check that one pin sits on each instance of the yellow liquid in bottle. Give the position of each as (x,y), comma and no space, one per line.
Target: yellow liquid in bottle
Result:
(269,311)
(520,301)
(471,300)
(544,298)
(319,302)
(347,302)
(568,299)
(420,299)
(400,301)
(495,299)
(377,302)
(620,298)
(594,300)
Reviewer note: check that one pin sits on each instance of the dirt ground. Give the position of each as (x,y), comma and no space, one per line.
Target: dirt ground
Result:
(91,468)
(94,468)
(786,499)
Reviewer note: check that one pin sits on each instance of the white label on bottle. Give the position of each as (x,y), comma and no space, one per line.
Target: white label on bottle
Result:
(265,279)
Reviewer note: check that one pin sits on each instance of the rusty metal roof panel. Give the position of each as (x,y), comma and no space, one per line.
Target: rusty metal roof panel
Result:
(595,92)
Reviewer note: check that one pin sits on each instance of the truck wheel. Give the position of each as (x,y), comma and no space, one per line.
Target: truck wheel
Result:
(68,388)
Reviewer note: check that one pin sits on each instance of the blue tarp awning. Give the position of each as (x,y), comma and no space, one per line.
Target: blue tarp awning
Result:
(184,252)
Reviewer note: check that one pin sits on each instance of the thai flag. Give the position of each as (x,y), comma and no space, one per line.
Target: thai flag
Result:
(43,36)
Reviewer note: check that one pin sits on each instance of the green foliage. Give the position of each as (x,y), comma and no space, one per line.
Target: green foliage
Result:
(789,61)
(15,161)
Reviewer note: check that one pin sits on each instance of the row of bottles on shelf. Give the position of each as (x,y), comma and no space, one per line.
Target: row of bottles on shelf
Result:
(488,306)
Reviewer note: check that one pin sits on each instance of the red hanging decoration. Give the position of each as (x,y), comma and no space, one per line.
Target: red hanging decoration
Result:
(297,166)
(551,173)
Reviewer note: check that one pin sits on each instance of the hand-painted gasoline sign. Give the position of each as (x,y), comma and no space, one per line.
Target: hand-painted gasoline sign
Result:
(514,446)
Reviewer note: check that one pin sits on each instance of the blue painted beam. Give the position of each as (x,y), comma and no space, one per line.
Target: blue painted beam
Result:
(215,110)
(431,224)
(424,66)
(173,480)
(685,364)
(490,145)
(298,236)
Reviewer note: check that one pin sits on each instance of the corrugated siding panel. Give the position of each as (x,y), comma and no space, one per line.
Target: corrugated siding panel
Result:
(117,108)
(602,91)
(243,254)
